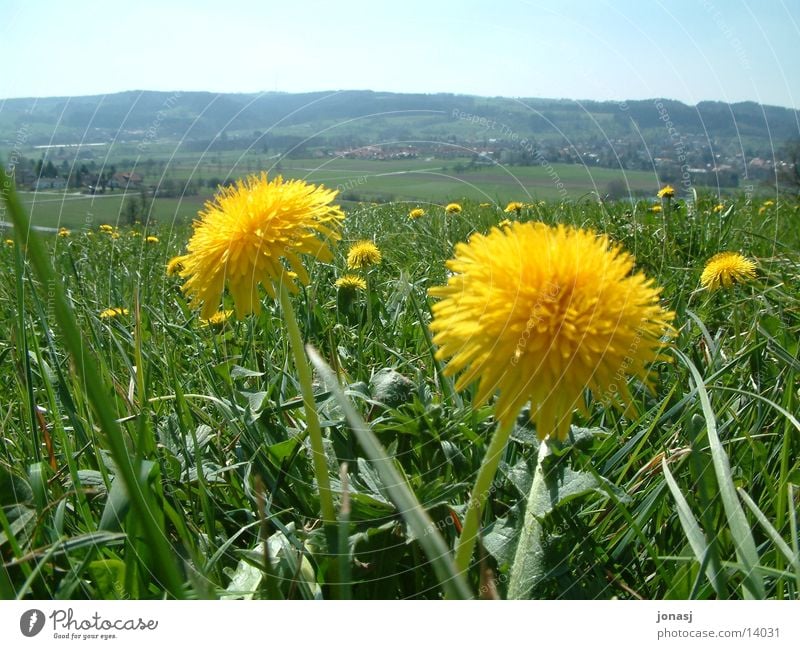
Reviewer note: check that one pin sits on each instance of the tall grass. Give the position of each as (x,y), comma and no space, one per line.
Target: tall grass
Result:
(149,456)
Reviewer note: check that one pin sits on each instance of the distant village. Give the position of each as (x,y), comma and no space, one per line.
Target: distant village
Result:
(692,159)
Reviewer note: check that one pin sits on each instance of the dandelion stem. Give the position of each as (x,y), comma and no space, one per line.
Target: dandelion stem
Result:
(481,491)
(369,301)
(312,420)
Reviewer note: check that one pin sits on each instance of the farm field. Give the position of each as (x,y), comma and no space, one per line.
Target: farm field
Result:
(411,181)
(151,453)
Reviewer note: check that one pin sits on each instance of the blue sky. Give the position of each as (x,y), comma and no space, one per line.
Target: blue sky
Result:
(691,50)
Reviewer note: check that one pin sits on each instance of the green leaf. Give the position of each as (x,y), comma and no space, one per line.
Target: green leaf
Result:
(22,521)
(14,490)
(119,502)
(245,581)
(746,553)
(451,581)
(391,388)
(255,400)
(501,537)
(553,484)
(695,536)
(87,368)
(238,372)
(773,534)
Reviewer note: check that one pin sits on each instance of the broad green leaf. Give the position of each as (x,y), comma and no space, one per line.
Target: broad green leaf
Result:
(554,483)
(119,501)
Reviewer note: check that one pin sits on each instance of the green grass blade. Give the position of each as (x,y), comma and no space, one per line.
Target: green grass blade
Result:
(406,502)
(86,368)
(776,538)
(695,536)
(753,586)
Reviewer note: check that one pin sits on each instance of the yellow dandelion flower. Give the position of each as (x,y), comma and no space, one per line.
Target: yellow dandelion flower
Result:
(106,228)
(761,210)
(9,242)
(63,232)
(504,223)
(151,239)
(115,235)
(218,319)
(453,208)
(655,208)
(514,206)
(174,266)
(416,213)
(725,268)
(134,233)
(718,208)
(485,205)
(113,312)
(544,327)
(668,191)
(363,254)
(351,283)
(769,203)
(247,234)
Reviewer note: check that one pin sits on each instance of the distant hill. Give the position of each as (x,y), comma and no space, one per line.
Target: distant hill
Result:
(364,117)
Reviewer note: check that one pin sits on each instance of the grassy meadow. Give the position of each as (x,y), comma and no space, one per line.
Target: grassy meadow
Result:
(149,454)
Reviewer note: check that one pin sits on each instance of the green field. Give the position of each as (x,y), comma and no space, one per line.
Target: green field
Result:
(149,455)
(409,181)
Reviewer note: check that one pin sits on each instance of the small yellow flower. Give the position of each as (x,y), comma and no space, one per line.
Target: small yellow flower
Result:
(151,239)
(363,254)
(485,205)
(351,283)
(545,327)
(113,312)
(106,228)
(655,208)
(9,242)
(769,203)
(666,192)
(761,210)
(63,232)
(416,213)
(115,235)
(504,223)
(719,207)
(514,206)
(453,208)
(217,320)
(135,233)
(725,268)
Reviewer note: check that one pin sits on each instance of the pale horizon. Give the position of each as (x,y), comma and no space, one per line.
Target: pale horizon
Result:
(687,50)
(577,100)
